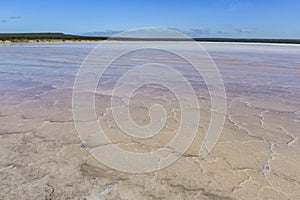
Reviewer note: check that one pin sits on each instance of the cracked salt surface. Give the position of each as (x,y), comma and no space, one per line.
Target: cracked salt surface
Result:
(256,157)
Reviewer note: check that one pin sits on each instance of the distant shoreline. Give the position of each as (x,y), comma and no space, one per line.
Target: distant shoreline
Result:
(60,37)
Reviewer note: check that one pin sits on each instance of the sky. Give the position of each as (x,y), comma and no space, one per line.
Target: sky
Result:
(196,18)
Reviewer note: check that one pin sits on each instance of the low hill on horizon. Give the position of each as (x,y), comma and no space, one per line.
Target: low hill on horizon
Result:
(40,37)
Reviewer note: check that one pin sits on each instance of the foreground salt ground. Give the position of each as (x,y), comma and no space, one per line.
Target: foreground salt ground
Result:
(256,157)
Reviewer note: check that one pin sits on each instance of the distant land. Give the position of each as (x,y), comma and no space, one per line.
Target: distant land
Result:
(61,37)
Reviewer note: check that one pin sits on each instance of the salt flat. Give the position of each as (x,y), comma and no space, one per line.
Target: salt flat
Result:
(256,156)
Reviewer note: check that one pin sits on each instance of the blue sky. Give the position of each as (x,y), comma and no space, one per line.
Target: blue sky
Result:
(197,18)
